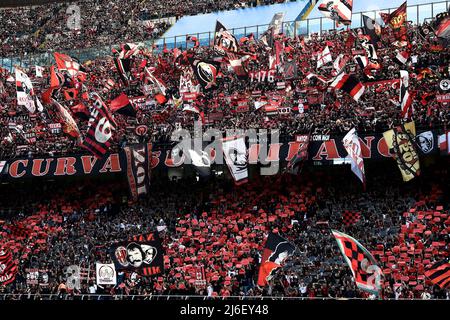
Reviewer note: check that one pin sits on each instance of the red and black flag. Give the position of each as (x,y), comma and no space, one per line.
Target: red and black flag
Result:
(224,40)
(122,105)
(100,129)
(295,164)
(70,94)
(276,251)
(56,78)
(206,72)
(439,274)
(8,267)
(123,67)
(399,24)
(441,25)
(142,254)
(350,218)
(373,63)
(139,169)
(267,37)
(156,83)
(364,268)
(123,61)
(80,111)
(66,63)
(350,84)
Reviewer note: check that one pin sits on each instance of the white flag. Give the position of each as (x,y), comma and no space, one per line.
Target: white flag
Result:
(191,108)
(39,71)
(353,147)
(260,104)
(40,107)
(235,153)
(25,91)
(106,274)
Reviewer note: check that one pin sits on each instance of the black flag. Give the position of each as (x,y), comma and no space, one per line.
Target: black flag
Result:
(139,169)
(372,29)
(206,72)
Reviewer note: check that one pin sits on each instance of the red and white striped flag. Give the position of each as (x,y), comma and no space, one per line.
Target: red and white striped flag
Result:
(324,57)
(402,57)
(236,63)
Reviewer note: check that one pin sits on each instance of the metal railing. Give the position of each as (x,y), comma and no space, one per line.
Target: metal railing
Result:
(416,13)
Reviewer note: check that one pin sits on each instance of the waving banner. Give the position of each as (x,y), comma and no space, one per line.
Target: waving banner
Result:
(400,142)
(206,72)
(70,126)
(442,25)
(8,267)
(224,40)
(139,169)
(235,152)
(142,254)
(406,99)
(351,144)
(101,125)
(439,273)
(372,29)
(275,252)
(398,21)
(25,91)
(365,271)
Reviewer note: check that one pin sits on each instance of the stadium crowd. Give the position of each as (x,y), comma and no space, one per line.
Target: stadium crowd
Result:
(211,227)
(311,105)
(223,228)
(55,26)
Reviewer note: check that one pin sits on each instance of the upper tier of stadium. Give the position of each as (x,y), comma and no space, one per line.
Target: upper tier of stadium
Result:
(84,24)
(281,86)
